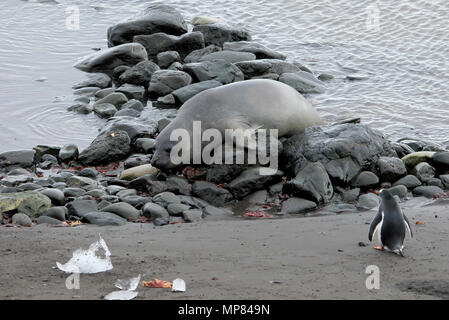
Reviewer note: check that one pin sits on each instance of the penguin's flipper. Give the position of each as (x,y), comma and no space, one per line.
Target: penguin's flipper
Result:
(407,225)
(376,222)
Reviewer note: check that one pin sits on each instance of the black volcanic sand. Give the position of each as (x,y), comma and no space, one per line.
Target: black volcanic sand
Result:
(308,258)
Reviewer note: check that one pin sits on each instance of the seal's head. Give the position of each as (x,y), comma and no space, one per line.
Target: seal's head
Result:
(161,157)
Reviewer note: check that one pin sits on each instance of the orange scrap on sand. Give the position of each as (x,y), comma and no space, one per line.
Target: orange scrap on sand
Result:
(72,223)
(156,283)
(418,222)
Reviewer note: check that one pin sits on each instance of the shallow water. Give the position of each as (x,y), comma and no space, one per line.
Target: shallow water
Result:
(402,60)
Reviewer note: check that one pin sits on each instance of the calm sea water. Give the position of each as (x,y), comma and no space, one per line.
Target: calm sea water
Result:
(397,52)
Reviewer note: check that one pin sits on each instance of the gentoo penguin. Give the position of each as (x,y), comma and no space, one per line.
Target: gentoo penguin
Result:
(390,224)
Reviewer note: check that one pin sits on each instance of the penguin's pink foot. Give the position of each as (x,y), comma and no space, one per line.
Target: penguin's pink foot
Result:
(380,248)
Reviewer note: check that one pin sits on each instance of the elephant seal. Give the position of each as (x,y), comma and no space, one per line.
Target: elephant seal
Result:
(258,103)
(106,60)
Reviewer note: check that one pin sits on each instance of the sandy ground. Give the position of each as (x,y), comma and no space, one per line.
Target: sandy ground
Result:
(311,258)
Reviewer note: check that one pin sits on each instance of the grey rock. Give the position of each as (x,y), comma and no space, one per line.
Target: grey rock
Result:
(166,198)
(81,182)
(164,82)
(57,212)
(87,92)
(402,149)
(259,50)
(127,113)
(255,68)
(134,104)
(140,74)
(107,60)
(229,56)
(103,93)
(56,196)
(48,220)
(219,33)
(134,127)
(126,193)
(29,186)
(136,160)
(435,182)
(297,205)
(96,193)
(80,207)
(145,145)
(368,201)
(441,160)
(106,148)
(166,102)
(344,149)
(196,55)
(155,18)
(219,70)
(178,185)
(136,201)
(22,220)
(42,150)
(176,209)
(427,191)
(192,215)
(166,58)
(124,210)
(250,181)
(22,158)
(132,91)
(162,123)
(116,98)
(88,173)
(154,211)
(160,42)
(73,192)
(303,82)
(112,190)
(365,179)
(445,180)
(410,181)
(99,80)
(399,190)
(215,211)
(391,169)
(350,195)
(177,66)
(211,193)
(101,218)
(312,182)
(183,94)
(68,152)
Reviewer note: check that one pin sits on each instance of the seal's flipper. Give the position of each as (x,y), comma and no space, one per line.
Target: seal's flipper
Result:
(376,223)
(407,225)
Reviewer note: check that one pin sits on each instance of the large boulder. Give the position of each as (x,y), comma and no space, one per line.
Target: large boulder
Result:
(181,95)
(344,149)
(219,33)
(164,82)
(391,169)
(31,203)
(211,193)
(107,147)
(219,70)
(140,74)
(312,182)
(155,18)
(107,60)
(250,181)
(22,158)
(160,42)
(259,50)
